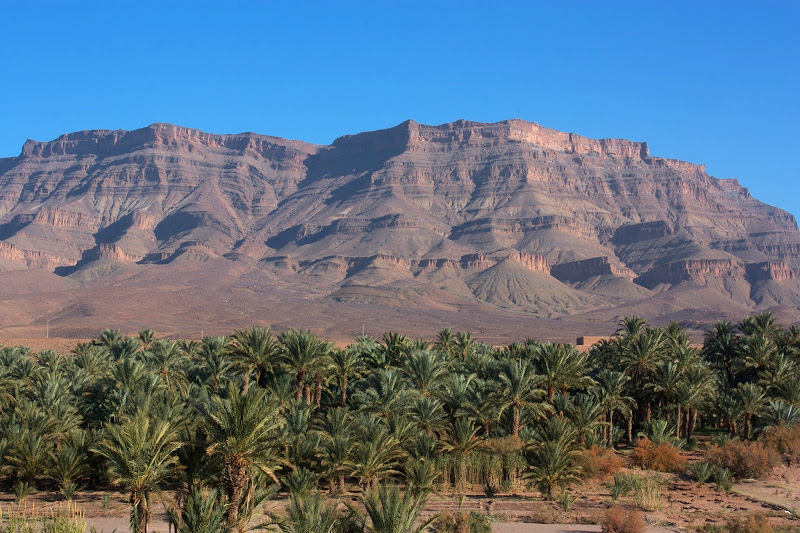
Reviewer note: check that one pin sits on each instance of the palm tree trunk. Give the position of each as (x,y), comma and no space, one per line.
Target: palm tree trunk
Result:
(551,391)
(747,417)
(694,422)
(678,414)
(341,483)
(610,429)
(344,389)
(245,381)
(139,512)
(515,422)
(234,478)
(318,389)
(630,429)
(301,376)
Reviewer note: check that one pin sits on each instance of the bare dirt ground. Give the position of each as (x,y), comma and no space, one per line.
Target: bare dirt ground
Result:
(685,505)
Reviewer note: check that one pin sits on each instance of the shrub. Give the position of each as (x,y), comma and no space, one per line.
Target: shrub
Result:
(619,520)
(473,522)
(662,457)
(785,439)
(752,523)
(599,462)
(744,459)
(646,489)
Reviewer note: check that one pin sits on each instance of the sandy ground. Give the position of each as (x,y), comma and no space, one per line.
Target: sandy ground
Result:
(516,527)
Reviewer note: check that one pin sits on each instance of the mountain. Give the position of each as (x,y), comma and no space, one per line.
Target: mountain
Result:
(462,221)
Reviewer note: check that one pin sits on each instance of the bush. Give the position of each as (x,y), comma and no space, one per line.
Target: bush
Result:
(599,462)
(785,439)
(744,459)
(662,457)
(619,520)
(753,523)
(646,489)
(473,522)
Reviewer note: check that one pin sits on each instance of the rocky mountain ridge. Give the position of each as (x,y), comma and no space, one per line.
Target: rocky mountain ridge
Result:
(511,216)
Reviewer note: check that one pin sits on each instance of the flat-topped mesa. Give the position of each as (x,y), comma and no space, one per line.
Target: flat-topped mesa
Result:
(583,269)
(697,270)
(28,258)
(100,142)
(60,218)
(107,251)
(769,270)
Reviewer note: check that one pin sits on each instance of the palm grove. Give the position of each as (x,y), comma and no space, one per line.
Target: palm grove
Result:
(226,422)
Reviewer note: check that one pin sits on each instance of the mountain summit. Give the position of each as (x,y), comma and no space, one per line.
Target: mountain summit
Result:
(502,219)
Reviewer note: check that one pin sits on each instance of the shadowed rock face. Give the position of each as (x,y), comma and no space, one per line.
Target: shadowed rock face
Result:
(511,215)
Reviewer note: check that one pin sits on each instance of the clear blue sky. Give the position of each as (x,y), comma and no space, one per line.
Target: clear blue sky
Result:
(707,82)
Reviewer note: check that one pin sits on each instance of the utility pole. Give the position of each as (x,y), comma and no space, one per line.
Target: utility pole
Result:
(47,332)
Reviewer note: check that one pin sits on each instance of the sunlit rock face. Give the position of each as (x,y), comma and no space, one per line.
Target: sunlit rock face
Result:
(510,215)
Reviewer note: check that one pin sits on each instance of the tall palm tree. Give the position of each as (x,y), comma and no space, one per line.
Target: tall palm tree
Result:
(667,379)
(611,391)
(346,364)
(338,440)
(518,389)
(254,350)
(425,371)
(751,401)
(169,362)
(141,454)
(721,350)
(377,454)
(384,393)
(640,357)
(215,362)
(462,440)
(561,367)
(243,429)
(303,354)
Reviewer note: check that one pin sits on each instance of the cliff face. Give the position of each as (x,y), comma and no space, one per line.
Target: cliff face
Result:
(486,212)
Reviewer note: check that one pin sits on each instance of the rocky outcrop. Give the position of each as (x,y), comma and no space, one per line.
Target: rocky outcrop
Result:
(699,271)
(769,270)
(584,269)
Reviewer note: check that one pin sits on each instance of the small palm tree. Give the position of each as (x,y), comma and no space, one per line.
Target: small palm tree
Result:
(552,457)
(390,511)
(309,514)
(141,454)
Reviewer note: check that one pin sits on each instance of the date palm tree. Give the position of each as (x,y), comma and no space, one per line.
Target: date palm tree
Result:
(751,401)
(303,354)
(519,389)
(462,440)
(552,457)
(254,351)
(391,511)
(243,431)
(346,364)
(611,391)
(141,454)
(309,514)
(562,368)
